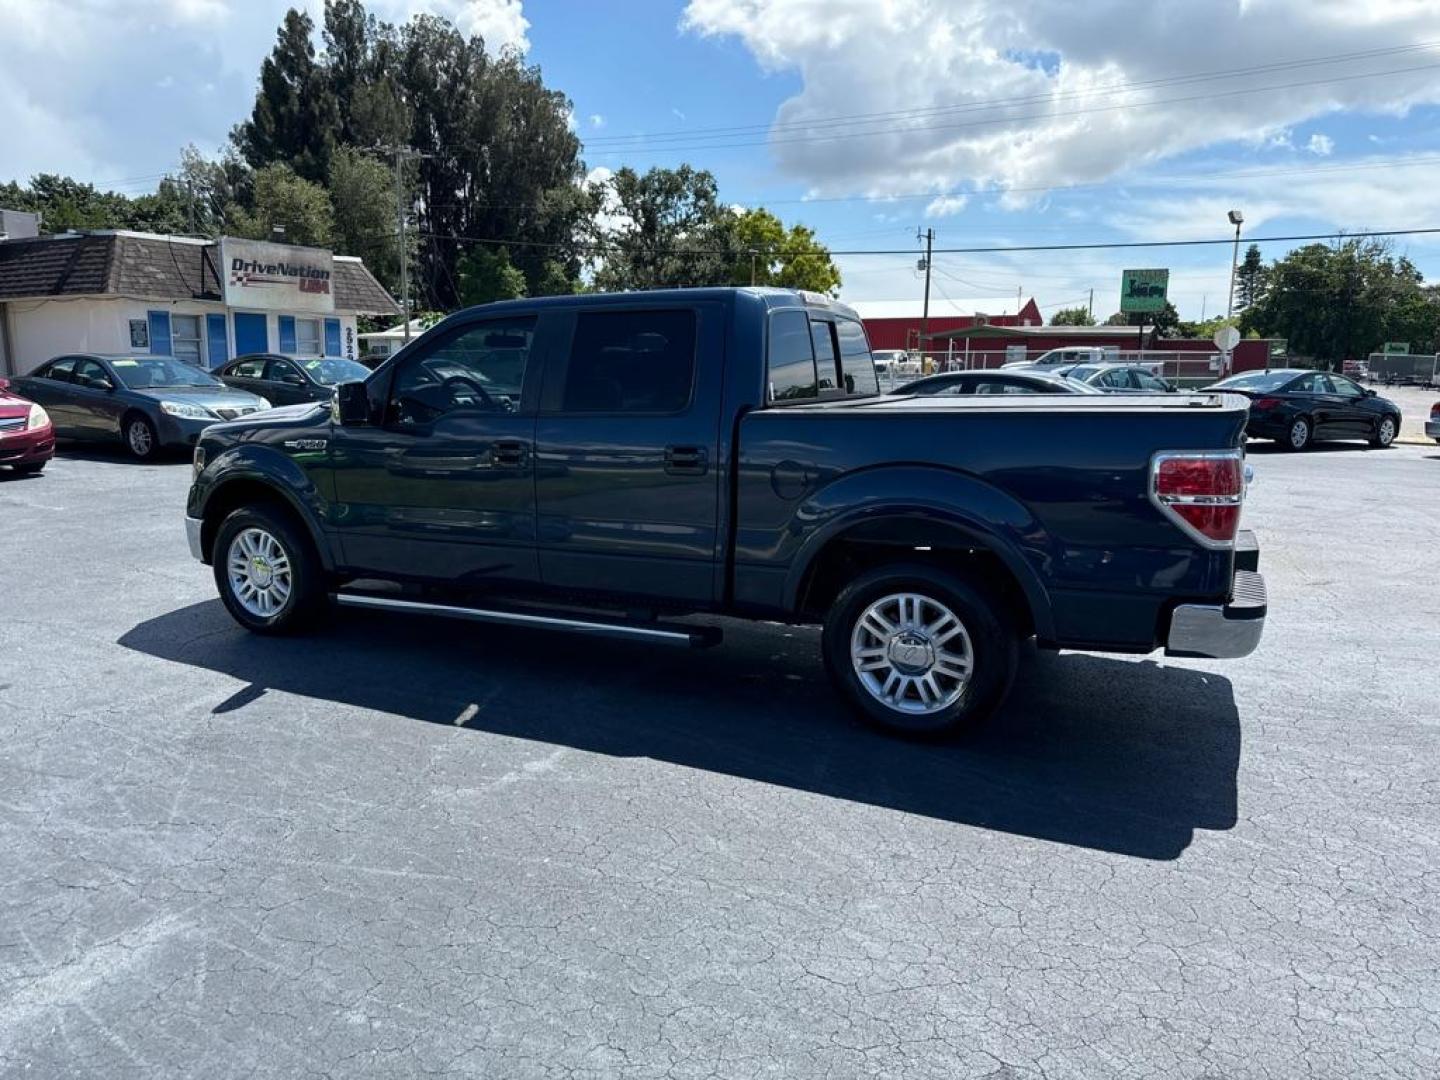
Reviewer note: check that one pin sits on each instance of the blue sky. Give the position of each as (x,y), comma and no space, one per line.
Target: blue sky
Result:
(995,124)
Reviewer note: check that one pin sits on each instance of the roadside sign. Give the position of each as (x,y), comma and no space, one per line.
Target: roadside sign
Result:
(1401,348)
(1226,338)
(1143,290)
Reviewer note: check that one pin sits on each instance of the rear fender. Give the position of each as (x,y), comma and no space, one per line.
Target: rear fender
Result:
(990,519)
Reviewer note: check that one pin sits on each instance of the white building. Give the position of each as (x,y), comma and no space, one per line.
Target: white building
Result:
(201,300)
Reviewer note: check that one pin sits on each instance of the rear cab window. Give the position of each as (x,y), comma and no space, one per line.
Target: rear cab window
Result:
(632,362)
(812,355)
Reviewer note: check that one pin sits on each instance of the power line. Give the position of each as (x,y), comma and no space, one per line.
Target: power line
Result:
(970,106)
(603,246)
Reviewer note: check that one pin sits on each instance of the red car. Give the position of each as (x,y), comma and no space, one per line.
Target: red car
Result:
(27,440)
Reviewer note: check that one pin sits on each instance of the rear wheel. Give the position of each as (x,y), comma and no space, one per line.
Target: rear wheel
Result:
(918,651)
(1298,437)
(33,468)
(1385,432)
(266,570)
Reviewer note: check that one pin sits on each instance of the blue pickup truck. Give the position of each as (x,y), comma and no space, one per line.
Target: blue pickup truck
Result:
(603,463)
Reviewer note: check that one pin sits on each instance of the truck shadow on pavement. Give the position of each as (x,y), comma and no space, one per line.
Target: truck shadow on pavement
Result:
(1128,757)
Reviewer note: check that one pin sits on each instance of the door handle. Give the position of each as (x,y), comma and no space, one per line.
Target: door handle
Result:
(509,453)
(686,460)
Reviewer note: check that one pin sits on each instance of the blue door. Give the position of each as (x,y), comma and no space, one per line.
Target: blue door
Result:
(159,332)
(332,337)
(215,337)
(286,326)
(251,334)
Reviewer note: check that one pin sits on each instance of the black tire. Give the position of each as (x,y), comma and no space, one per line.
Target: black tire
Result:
(140,437)
(34,468)
(1294,439)
(993,647)
(1383,437)
(306,595)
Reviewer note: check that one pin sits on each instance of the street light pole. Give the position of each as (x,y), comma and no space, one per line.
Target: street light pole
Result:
(1236,219)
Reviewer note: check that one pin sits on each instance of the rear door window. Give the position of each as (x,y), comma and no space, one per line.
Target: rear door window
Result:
(827,353)
(249,369)
(856,368)
(631,362)
(60,370)
(791,358)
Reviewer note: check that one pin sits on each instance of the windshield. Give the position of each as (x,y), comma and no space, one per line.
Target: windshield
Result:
(331,370)
(150,372)
(1256,380)
(1081,372)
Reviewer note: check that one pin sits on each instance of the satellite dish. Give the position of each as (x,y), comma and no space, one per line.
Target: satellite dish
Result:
(1226,338)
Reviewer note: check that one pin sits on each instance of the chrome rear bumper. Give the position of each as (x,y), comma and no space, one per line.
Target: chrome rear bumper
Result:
(1221,631)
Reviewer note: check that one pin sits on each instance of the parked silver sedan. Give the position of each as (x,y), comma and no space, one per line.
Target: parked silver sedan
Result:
(146,402)
(1117,378)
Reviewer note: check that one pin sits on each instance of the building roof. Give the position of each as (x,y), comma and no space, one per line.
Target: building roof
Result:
(940,307)
(1079,333)
(150,266)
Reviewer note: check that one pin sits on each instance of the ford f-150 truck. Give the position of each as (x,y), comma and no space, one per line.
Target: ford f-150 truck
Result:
(603,463)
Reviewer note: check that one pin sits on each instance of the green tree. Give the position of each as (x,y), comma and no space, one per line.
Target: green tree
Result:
(767,253)
(555,280)
(1249,279)
(672,231)
(362,191)
(1342,300)
(1158,323)
(284,199)
(295,119)
(486,275)
(1072,316)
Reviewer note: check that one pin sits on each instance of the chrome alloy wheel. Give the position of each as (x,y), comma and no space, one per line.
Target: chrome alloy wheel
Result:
(1299,434)
(258,570)
(911,653)
(1386,434)
(137,434)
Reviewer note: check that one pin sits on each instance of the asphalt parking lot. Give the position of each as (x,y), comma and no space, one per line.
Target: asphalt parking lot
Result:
(399,847)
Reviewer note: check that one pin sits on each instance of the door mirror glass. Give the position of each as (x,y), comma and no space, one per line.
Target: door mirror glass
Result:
(1369,392)
(350,405)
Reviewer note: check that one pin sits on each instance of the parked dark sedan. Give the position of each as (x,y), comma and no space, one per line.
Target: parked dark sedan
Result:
(290,380)
(996,381)
(145,401)
(1296,407)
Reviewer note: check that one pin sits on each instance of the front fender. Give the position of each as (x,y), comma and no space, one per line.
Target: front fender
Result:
(280,474)
(988,517)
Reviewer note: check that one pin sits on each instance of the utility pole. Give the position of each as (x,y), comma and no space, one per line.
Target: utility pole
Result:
(401,155)
(190,199)
(1090,307)
(929,237)
(753,255)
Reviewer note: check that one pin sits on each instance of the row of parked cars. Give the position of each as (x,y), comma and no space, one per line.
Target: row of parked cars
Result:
(1294,407)
(150,402)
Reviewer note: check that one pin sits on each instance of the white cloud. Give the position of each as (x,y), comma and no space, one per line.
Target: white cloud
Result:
(946,205)
(976,107)
(1320,145)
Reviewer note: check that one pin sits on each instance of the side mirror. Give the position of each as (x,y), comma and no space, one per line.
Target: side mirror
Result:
(4,384)
(350,404)
(1369,392)
(292,380)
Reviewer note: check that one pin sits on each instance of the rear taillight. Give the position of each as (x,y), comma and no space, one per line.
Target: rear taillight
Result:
(1200,491)
(1265,403)
(1435,411)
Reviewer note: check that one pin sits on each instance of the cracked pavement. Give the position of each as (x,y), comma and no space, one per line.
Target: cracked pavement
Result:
(403,847)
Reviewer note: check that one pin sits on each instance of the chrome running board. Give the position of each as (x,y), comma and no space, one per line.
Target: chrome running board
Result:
(689,637)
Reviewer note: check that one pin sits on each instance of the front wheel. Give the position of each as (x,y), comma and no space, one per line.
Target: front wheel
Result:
(267,573)
(33,468)
(1385,432)
(918,651)
(1298,437)
(140,437)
